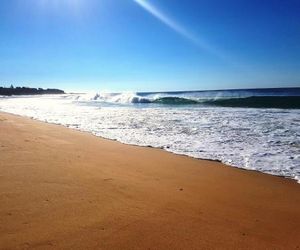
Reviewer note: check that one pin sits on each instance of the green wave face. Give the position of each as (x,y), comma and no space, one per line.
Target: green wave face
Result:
(175,101)
(284,102)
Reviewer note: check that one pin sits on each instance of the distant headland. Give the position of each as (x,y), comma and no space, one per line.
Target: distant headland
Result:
(28,91)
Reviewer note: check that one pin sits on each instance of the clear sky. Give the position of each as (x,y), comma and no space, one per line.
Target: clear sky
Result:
(153,45)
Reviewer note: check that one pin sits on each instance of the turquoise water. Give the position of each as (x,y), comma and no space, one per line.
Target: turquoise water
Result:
(263,138)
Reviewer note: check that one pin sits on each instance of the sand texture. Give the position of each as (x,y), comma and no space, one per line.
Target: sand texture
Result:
(65,189)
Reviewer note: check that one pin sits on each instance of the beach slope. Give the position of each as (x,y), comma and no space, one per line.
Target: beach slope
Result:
(64,189)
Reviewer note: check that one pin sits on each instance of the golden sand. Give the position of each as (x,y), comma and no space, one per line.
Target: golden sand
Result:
(64,189)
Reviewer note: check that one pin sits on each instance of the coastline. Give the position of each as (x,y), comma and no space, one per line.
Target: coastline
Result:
(268,143)
(153,147)
(62,188)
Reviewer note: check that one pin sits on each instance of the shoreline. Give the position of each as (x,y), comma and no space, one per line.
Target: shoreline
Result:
(152,147)
(63,188)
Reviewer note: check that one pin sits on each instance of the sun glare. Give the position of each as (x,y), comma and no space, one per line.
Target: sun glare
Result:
(72,5)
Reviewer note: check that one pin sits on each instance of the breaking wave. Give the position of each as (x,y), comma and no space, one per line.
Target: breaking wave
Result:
(189,123)
(244,99)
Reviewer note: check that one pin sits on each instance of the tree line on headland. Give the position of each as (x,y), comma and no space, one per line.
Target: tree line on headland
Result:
(28,91)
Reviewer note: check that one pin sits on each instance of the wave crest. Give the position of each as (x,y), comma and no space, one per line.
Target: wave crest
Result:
(285,102)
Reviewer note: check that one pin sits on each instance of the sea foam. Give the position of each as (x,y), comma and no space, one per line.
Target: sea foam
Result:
(266,140)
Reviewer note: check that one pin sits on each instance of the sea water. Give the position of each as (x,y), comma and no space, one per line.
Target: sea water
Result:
(250,129)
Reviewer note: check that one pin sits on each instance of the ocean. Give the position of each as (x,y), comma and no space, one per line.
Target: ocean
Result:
(254,129)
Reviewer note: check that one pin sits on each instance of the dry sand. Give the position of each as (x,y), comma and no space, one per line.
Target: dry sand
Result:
(64,189)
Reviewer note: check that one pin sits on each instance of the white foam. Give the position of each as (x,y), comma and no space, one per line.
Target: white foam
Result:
(267,140)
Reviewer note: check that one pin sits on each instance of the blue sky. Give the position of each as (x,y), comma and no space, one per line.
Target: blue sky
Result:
(154,45)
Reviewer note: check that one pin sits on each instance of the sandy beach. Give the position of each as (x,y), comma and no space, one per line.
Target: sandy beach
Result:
(65,189)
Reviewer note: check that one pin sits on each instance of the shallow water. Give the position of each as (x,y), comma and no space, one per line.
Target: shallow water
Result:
(267,140)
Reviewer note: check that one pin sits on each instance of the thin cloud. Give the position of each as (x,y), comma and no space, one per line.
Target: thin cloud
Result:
(153,10)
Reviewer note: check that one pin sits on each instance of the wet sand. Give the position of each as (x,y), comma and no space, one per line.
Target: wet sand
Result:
(64,189)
